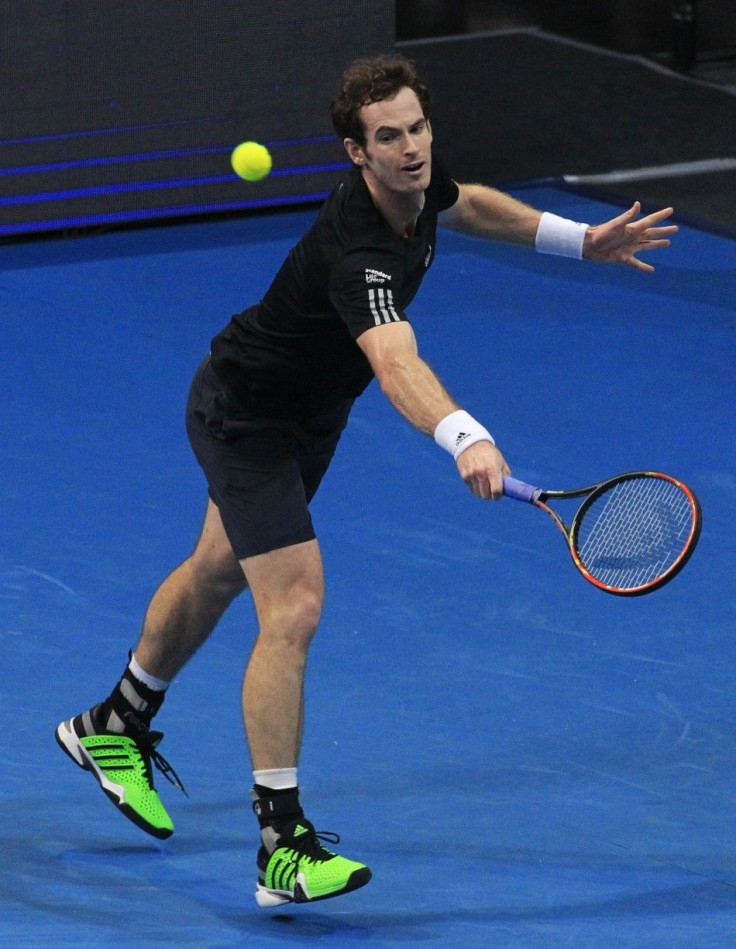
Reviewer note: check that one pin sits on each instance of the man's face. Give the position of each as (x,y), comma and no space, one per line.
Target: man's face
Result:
(397,153)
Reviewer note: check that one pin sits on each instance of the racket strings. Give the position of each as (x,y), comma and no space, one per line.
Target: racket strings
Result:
(635,532)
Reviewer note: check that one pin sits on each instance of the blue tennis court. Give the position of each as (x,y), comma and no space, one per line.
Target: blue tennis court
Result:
(522,760)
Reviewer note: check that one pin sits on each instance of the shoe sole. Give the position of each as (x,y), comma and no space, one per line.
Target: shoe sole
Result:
(67,740)
(266,897)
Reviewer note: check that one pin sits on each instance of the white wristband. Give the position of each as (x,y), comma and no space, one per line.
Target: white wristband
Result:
(458,431)
(558,235)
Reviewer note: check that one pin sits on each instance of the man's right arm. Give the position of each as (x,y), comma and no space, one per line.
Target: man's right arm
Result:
(416,392)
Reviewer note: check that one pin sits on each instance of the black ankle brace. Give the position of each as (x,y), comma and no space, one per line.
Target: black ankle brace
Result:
(131,705)
(276,808)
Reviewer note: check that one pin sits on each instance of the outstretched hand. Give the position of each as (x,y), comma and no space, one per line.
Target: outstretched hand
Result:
(619,240)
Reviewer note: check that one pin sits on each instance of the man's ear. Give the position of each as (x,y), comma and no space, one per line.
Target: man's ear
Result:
(355,151)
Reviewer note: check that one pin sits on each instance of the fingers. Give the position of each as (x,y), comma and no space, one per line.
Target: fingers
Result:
(633,211)
(497,488)
(645,245)
(487,489)
(659,235)
(648,236)
(640,265)
(649,219)
(626,217)
(646,228)
(646,223)
(657,216)
(481,488)
(655,244)
(482,467)
(619,240)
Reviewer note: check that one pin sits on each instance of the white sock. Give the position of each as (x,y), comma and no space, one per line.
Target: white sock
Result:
(158,685)
(277,779)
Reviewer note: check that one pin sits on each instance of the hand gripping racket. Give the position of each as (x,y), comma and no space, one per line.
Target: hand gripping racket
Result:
(632,533)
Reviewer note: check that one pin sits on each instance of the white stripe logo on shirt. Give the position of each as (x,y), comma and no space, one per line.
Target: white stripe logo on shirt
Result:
(382,306)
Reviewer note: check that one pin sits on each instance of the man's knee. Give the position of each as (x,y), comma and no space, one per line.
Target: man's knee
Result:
(217,572)
(288,589)
(294,617)
(214,566)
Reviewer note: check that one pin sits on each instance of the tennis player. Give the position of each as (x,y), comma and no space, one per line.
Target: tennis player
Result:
(264,416)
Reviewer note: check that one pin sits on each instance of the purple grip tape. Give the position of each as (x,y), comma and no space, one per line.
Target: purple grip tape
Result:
(520,490)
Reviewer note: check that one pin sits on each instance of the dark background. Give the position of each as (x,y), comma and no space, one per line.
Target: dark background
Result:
(129,110)
(655,27)
(534,89)
(125,112)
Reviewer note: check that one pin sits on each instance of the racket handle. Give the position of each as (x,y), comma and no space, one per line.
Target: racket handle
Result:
(520,490)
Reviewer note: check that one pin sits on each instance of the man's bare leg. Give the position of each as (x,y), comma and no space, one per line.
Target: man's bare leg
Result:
(288,590)
(190,602)
(183,612)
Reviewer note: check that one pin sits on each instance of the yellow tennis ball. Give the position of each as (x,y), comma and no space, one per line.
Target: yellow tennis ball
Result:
(251,161)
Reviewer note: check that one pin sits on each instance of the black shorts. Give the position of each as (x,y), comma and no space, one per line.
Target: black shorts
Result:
(262,473)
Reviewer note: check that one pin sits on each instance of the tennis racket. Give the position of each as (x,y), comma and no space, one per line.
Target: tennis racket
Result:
(632,533)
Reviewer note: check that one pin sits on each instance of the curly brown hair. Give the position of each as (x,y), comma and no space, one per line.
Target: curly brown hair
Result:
(372,80)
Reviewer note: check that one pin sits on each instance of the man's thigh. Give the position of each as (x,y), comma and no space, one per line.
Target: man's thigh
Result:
(261,473)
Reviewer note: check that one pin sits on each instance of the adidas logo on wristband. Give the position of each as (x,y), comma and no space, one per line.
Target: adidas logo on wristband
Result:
(453,438)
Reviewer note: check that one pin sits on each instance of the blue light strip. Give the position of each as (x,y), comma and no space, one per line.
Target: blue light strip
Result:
(121,188)
(112,160)
(126,188)
(124,129)
(148,156)
(162,214)
(89,133)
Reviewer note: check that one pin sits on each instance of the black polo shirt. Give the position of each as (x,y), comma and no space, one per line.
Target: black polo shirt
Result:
(295,351)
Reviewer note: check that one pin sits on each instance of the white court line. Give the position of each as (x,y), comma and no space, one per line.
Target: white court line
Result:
(704,166)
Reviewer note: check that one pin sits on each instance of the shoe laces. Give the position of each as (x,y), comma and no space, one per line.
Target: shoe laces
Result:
(147,743)
(309,844)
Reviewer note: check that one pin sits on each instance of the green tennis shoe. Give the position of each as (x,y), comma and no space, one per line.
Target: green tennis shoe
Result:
(294,867)
(122,766)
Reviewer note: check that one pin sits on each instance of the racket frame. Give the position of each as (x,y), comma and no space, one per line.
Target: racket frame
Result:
(539,497)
